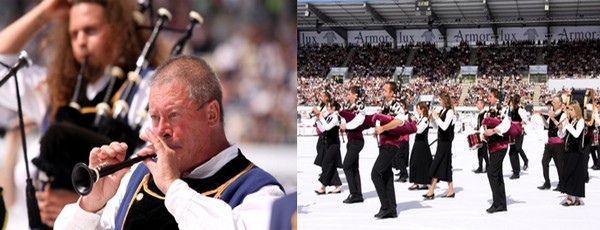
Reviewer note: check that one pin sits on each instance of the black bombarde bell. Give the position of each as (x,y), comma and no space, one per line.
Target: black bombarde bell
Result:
(83,177)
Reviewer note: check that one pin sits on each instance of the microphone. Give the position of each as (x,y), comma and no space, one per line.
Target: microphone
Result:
(24,61)
(33,210)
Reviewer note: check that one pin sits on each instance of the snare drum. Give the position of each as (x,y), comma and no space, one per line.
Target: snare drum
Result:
(474,141)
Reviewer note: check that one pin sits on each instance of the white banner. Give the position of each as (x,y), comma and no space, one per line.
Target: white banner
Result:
(572,33)
(325,37)
(538,69)
(405,71)
(338,71)
(468,70)
(471,35)
(369,37)
(408,36)
(522,33)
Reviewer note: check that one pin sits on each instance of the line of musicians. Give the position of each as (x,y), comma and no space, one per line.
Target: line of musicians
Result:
(498,128)
(392,124)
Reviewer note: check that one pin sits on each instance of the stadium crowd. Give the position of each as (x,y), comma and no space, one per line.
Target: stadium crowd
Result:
(438,68)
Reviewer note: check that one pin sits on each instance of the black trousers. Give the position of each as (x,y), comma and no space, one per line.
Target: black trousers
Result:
(329,174)
(383,177)
(401,158)
(350,165)
(556,152)
(482,154)
(494,173)
(595,155)
(514,152)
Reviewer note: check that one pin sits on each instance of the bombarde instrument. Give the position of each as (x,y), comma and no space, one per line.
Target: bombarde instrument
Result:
(83,177)
(121,107)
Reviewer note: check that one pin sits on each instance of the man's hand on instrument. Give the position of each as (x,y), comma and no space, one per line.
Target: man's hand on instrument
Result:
(166,169)
(106,187)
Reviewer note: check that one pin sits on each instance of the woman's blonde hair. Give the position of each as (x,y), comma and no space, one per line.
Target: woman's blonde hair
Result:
(575,107)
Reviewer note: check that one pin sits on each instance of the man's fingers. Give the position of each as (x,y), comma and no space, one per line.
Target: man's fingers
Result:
(156,141)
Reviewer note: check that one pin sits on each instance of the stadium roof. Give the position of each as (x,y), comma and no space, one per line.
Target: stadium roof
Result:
(401,14)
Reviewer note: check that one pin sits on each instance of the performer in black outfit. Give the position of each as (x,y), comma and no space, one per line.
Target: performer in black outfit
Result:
(325,98)
(482,152)
(517,115)
(420,158)
(356,123)
(400,161)
(382,175)
(497,146)
(573,179)
(594,149)
(441,168)
(554,149)
(331,156)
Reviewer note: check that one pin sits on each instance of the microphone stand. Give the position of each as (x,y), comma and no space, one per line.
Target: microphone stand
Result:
(33,210)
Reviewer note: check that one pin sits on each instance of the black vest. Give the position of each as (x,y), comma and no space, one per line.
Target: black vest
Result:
(514,116)
(480,118)
(150,211)
(552,128)
(332,136)
(573,144)
(448,134)
(422,136)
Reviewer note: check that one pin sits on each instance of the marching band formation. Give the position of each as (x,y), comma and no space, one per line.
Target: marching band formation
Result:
(572,124)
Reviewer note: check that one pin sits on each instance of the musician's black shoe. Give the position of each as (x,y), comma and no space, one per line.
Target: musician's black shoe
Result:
(495,209)
(478,170)
(596,167)
(545,186)
(556,189)
(428,197)
(514,176)
(352,198)
(386,214)
(401,179)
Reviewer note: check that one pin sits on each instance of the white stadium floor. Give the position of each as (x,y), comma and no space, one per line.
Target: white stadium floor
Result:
(528,207)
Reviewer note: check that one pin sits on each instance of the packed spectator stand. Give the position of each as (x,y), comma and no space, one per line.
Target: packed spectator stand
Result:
(437,69)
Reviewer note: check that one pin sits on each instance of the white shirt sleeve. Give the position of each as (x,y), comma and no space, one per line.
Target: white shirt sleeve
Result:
(355,122)
(330,125)
(194,211)
(577,130)
(449,119)
(522,114)
(422,126)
